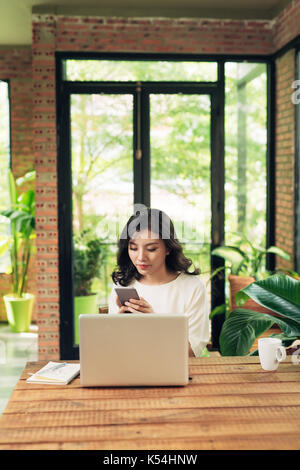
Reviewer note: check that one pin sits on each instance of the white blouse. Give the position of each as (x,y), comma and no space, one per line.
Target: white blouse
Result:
(184,295)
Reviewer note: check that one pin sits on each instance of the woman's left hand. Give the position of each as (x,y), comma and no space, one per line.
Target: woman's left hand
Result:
(139,306)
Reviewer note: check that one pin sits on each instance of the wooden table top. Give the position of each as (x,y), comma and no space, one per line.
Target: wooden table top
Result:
(231,403)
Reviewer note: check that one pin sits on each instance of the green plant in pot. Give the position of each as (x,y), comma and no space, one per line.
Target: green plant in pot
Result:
(280,293)
(88,255)
(245,263)
(20,243)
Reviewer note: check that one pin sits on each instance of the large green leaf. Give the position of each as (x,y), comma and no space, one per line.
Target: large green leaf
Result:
(4,245)
(280,293)
(7,213)
(29,176)
(279,252)
(231,254)
(219,310)
(21,214)
(23,221)
(241,329)
(26,200)
(13,194)
(289,327)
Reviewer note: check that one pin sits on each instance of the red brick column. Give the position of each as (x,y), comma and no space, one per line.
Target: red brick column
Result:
(285,156)
(45,151)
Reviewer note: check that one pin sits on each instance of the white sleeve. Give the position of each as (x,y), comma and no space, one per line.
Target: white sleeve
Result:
(112,305)
(197,312)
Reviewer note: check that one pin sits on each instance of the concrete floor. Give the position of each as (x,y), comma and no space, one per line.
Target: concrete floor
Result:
(15,350)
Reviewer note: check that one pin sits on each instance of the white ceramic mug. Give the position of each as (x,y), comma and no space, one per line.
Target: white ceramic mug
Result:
(271,352)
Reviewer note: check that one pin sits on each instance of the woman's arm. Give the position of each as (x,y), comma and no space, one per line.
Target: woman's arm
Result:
(197,311)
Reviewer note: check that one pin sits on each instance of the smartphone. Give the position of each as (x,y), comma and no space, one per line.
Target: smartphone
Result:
(126,293)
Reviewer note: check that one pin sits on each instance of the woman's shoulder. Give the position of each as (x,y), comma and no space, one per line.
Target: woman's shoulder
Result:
(191,280)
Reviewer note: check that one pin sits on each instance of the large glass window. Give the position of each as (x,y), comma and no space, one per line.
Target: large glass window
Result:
(139,70)
(4,164)
(151,132)
(245,152)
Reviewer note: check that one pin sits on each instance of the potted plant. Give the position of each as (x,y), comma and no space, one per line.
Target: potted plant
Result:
(88,255)
(21,215)
(245,263)
(279,293)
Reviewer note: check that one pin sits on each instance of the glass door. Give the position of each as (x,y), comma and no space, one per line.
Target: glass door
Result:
(126,145)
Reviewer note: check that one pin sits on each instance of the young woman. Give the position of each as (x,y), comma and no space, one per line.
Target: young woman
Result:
(150,258)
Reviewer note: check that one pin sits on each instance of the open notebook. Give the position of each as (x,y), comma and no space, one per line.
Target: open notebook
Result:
(58,373)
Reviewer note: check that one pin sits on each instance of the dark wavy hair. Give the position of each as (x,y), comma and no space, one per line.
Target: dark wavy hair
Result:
(159,223)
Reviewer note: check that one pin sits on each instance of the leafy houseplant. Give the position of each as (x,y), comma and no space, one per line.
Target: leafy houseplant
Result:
(281,294)
(246,259)
(245,263)
(88,255)
(21,215)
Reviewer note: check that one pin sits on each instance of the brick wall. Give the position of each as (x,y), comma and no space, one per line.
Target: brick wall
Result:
(164,35)
(59,33)
(287,25)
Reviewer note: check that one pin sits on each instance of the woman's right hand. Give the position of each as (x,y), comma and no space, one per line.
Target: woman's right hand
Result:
(138,306)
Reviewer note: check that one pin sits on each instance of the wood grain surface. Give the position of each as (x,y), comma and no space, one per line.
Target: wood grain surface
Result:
(230,403)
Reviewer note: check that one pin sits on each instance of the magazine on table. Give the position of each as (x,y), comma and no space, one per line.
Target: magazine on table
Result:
(60,373)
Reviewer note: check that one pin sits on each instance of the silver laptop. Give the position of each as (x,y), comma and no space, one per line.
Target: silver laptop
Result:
(133,350)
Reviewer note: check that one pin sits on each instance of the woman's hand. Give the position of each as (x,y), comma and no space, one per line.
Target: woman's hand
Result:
(135,306)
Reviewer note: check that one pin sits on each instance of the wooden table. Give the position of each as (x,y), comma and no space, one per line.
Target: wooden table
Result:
(231,403)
